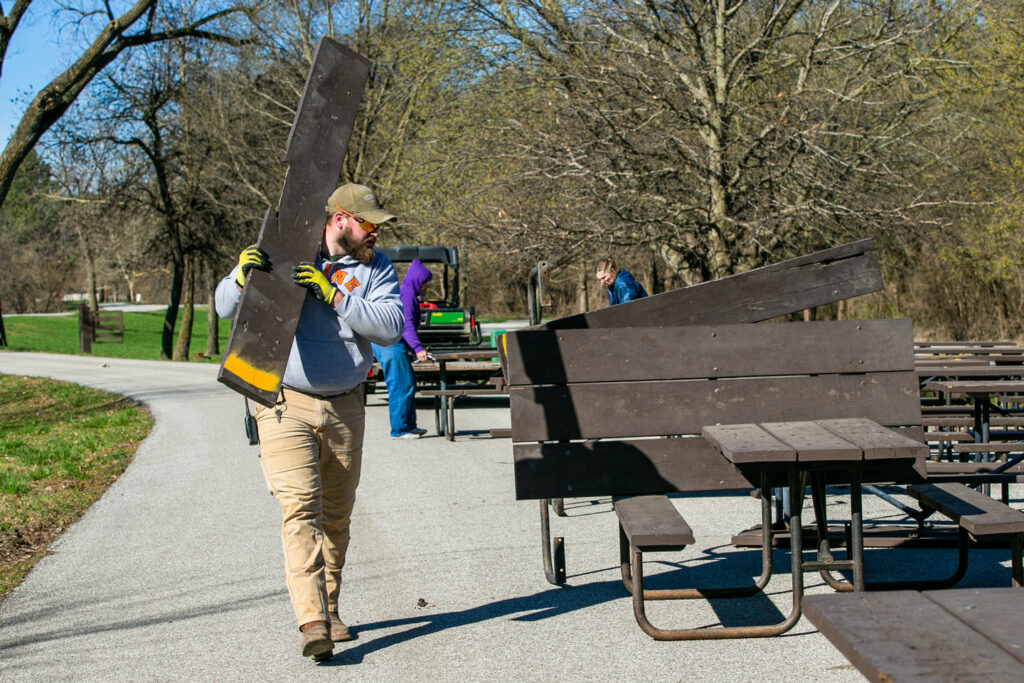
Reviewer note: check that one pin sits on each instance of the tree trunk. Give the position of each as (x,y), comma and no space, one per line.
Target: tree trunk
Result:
(90,270)
(583,303)
(167,335)
(188,312)
(212,319)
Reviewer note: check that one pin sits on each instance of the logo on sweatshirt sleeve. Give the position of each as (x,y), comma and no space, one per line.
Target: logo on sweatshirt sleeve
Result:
(338,278)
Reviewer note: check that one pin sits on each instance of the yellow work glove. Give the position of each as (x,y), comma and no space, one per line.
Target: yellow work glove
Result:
(251,257)
(309,276)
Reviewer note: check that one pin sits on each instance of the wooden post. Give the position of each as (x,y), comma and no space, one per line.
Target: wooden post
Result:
(268,313)
(3,333)
(84,328)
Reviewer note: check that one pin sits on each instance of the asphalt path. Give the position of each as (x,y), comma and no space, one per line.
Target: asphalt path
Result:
(176,573)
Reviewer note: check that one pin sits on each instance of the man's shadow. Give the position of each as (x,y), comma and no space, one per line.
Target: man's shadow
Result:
(564,600)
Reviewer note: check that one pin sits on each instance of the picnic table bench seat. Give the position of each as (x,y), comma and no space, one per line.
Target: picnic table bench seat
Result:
(977,514)
(652,523)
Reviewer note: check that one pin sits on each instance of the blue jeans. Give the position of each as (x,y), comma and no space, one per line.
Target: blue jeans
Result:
(397,368)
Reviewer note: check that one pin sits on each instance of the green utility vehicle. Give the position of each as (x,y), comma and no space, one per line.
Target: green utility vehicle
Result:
(446,324)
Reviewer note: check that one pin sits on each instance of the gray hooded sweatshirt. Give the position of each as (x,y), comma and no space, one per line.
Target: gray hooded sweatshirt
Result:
(331,352)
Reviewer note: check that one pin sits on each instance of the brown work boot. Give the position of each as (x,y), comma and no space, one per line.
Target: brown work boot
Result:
(339,632)
(316,641)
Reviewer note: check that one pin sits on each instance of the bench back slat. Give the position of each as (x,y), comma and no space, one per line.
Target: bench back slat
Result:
(633,467)
(699,351)
(778,289)
(631,409)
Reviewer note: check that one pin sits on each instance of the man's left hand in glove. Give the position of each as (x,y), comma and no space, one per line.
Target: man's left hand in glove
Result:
(309,276)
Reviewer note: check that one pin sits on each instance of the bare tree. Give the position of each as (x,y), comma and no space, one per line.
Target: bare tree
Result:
(720,132)
(142,23)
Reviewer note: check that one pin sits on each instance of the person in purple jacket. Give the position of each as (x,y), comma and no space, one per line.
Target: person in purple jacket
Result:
(394,360)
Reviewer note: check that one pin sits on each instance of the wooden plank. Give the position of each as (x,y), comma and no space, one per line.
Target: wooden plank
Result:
(454,367)
(983,344)
(941,468)
(692,351)
(999,447)
(903,636)
(877,442)
(644,466)
(976,512)
(996,613)
(811,441)
(948,436)
(649,466)
(652,523)
(967,387)
(268,312)
(994,421)
(971,350)
(743,443)
(604,410)
(928,369)
(492,391)
(762,294)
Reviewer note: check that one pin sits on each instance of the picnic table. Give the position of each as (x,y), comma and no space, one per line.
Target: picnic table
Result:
(950,635)
(470,368)
(841,451)
(980,393)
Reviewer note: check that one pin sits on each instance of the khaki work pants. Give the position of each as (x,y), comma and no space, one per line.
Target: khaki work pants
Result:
(310,452)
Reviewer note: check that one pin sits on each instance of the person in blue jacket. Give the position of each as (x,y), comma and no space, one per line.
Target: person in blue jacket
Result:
(395,362)
(620,283)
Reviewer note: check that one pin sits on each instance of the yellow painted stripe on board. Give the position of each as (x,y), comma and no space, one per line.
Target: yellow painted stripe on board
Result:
(261,379)
(504,344)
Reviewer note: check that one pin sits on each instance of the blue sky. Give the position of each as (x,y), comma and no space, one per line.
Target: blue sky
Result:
(33,58)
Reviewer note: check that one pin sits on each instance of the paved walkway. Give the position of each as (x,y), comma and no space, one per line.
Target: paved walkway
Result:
(177,572)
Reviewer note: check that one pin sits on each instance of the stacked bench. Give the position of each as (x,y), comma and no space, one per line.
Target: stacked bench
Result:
(603,406)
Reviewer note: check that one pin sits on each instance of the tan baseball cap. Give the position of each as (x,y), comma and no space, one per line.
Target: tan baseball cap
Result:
(360,201)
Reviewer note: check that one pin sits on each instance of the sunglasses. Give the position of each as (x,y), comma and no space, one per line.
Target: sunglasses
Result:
(366,226)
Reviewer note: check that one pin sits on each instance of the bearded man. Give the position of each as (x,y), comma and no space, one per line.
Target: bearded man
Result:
(311,441)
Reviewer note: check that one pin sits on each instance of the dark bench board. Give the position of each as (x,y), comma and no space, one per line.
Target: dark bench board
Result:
(641,466)
(476,391)
(970,467)
(596,411)
(268,312)
(644,466)
(652,523)
(761,294)
(995,421)
(999,447)
(976,512)
(549,357)
(906,635)
(948,436)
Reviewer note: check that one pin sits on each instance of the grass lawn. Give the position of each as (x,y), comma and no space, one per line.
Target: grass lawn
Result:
(142,332)
(51,470)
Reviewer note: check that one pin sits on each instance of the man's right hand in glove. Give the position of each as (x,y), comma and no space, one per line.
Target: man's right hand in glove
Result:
(251,257)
